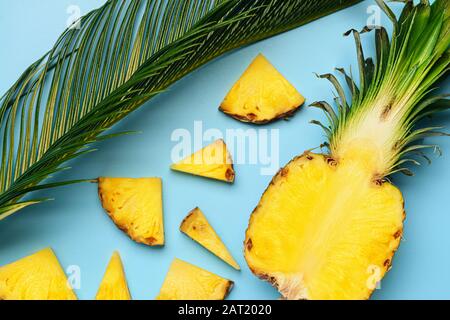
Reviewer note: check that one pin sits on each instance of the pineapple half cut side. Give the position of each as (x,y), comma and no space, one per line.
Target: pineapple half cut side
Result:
(213,162)
(261,95)
(185,281)
(114,283)
(135,206)
(36,277)
(328,225)
(324,230)
(197,227)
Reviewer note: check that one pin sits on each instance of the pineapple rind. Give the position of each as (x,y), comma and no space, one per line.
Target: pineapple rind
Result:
(213,162)
(261,95)
(185,281)
(135,206)
(114,284)
(197,227)
(321,232)
(35,277)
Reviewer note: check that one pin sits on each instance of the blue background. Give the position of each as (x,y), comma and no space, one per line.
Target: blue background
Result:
(76,227)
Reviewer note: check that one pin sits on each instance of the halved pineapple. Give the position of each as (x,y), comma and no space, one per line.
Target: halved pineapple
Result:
(185,281)
(324,230)
(36,277)
(114,284)
(135,206)
(328,225)
(213,161)
(261,95)
(197,227)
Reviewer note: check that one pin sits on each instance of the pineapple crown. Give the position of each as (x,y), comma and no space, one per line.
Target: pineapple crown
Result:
(398,88)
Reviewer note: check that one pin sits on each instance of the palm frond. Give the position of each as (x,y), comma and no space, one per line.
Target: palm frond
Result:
(125,53)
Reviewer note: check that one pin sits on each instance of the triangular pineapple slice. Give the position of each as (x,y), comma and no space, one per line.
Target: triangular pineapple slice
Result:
(213,161)
(261,95)
(135,206)
(197,227)
(114,284)
(185,281)
(36,277)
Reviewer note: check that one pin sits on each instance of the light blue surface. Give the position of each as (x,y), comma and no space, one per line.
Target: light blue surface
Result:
(76,227)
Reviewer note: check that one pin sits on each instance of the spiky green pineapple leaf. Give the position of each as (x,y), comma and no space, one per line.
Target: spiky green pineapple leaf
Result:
(399,86)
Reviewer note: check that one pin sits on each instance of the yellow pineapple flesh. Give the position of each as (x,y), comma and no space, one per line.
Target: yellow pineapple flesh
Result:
(213,162)
(35,277)
(325,229)
(135,206)
(114,284)
(185,281)
(261,95)
(197,227)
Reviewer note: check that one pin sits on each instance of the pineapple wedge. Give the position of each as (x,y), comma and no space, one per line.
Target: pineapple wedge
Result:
(213,161)
(185,281)
(36,277)
(135,206)
(197,227)
(261,95)
(114,284)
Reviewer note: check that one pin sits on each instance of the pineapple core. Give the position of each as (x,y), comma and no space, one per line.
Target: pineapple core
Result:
(36,277)
(214,162)
(114,284)
(261,95)
(324,230)
(185,281)
(135,206)
(197,227)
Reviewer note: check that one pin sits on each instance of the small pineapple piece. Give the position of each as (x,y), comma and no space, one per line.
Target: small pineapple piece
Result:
(185,281)
(197,227)
(261,95)
(114,284)
(214,162)
(36,277)
(135,206)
